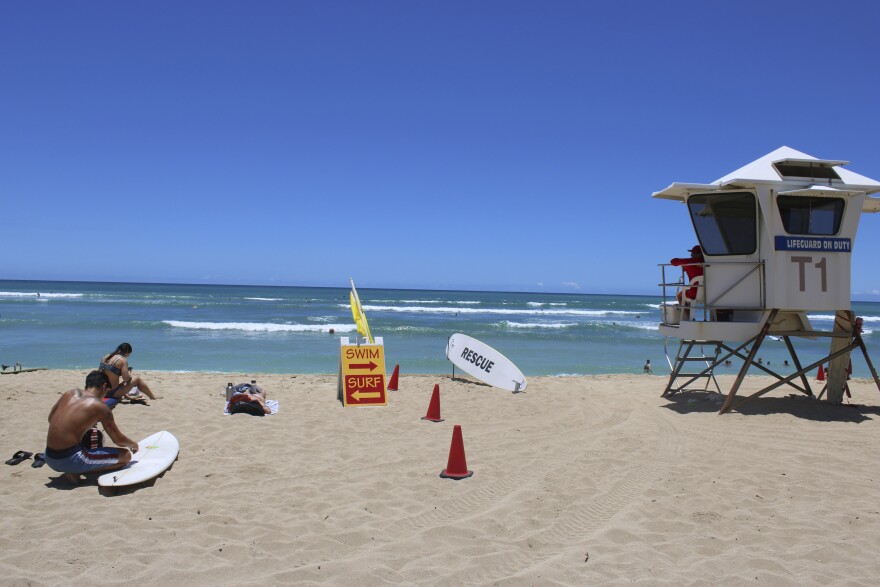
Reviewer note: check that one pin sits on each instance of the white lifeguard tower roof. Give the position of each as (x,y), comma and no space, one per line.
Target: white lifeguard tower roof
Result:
(776,238)
(784,167)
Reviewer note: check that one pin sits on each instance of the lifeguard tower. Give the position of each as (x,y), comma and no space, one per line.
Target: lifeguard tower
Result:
(777,237)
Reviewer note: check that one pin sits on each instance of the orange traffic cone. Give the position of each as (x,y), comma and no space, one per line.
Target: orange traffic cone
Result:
(392,383)
(456,467)
(820,376)
(434,407)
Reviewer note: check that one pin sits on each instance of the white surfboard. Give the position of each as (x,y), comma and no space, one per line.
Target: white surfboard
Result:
(485,363)
(155,454)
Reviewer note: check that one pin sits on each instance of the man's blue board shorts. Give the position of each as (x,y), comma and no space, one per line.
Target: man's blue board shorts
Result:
(77,459)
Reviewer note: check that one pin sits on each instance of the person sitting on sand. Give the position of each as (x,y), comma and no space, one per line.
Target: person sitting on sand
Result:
(115,365)
(249,402)
(72,415)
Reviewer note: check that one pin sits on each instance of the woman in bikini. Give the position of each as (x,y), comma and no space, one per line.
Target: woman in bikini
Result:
(115,365)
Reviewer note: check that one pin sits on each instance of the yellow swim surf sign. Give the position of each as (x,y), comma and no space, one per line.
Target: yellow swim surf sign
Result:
(357,312)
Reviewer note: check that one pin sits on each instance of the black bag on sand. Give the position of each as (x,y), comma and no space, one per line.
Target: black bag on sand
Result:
(252,408)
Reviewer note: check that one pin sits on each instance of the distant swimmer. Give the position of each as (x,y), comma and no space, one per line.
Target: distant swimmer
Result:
(647,367)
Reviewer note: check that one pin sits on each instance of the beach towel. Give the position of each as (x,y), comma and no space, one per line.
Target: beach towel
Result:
(272,404)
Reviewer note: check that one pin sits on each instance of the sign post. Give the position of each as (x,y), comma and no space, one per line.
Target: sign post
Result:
(362,379)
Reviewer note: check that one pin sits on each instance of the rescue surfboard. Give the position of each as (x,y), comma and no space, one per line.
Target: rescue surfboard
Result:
(481,361)
(155,454)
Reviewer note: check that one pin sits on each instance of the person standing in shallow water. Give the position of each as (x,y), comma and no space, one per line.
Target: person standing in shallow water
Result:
(647,368)
(115,366)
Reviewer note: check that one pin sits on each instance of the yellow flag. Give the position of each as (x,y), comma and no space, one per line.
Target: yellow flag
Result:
(357,312)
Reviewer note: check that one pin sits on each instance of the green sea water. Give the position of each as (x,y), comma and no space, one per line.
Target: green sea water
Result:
(226,328)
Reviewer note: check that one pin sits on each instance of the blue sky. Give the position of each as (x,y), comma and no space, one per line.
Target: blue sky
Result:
(450,145)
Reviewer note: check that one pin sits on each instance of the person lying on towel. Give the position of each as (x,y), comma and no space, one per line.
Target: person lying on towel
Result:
(248,399)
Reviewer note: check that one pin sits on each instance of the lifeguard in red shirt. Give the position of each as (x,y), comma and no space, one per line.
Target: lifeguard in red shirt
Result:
(693,268)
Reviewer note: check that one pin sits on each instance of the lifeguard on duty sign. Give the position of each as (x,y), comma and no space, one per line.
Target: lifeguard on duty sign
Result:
(362,373)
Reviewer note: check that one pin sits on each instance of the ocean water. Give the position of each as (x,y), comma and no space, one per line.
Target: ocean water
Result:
(227,328)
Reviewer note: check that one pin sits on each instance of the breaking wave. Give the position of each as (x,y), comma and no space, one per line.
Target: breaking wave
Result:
(260,326)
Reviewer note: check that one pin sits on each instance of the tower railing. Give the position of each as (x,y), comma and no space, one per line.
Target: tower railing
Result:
(721,307)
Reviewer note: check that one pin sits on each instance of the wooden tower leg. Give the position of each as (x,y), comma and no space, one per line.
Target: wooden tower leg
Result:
(748,362)
(844,322)
(797,365)
(861,344)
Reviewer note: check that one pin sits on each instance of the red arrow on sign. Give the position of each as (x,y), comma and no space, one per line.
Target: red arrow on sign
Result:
(371,365)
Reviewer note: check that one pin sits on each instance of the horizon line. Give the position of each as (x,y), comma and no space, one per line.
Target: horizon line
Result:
(512,291)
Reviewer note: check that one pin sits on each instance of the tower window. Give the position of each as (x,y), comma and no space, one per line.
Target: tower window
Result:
(725,222)
(810,214)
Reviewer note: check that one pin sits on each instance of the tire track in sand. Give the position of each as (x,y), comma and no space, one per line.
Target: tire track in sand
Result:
(579,520)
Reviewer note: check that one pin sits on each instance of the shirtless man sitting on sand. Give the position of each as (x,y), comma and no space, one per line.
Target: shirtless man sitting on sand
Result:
(74,413)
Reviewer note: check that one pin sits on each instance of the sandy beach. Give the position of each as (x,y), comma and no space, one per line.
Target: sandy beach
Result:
(577,481)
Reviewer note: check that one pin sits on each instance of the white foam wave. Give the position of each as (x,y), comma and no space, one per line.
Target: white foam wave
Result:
(260,326)
(518,312)
(542,304)
(415,301)
(416,329)
(266,299)
(510,324)
(830,318)
(652,326)
(326,319)
(820,317)
(40,295)
(463,302)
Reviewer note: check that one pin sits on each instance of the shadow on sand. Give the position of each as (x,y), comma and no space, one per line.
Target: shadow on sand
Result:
(461,379)
(91,480)
(799,406)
